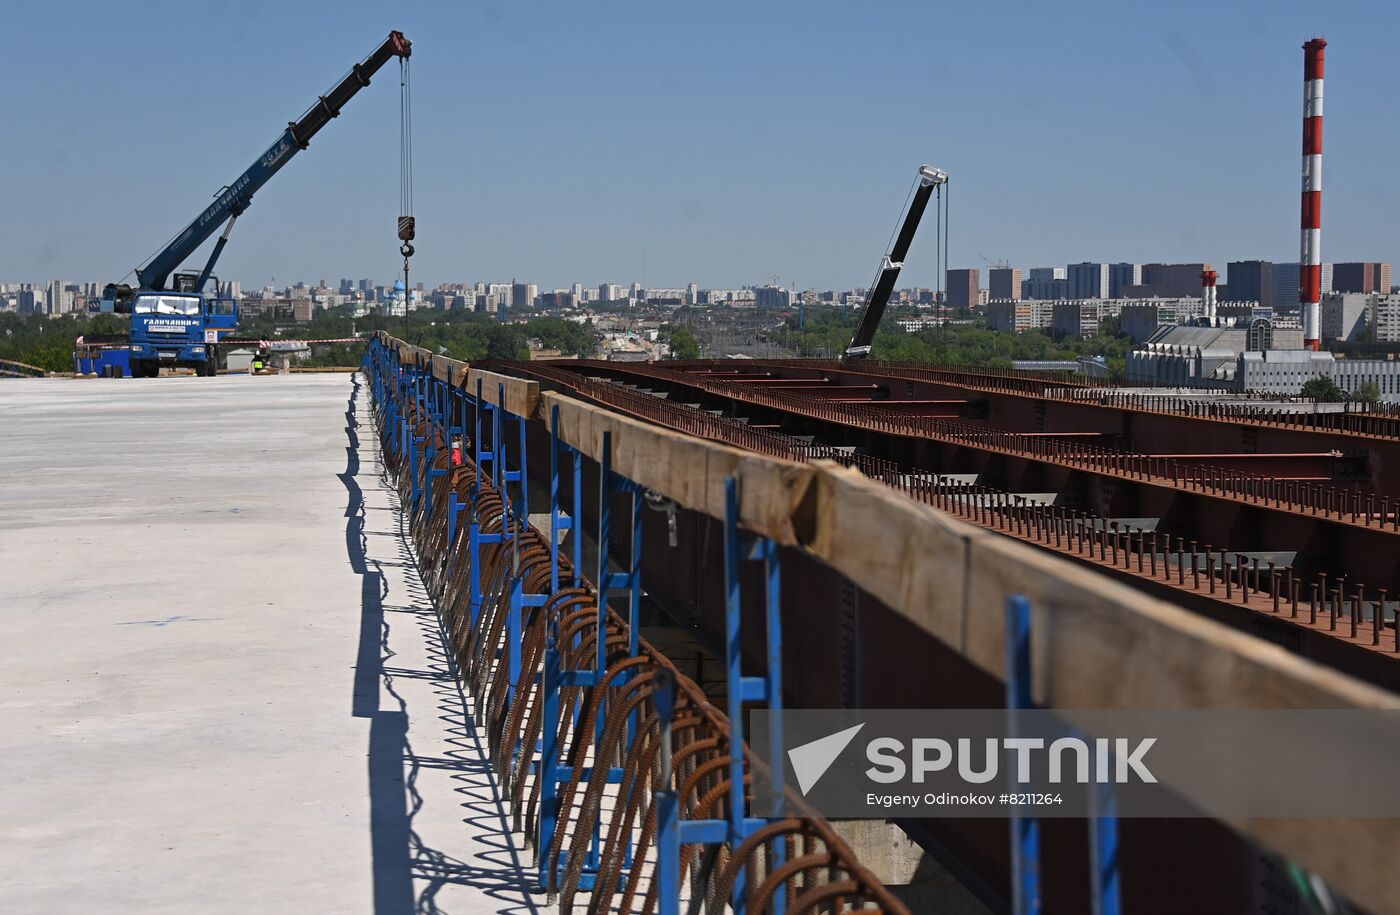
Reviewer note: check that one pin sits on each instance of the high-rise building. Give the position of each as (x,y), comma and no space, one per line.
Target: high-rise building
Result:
(1345,315)
(1361,277)
(1018,316)
(1088,280)
(1249,281)
(1122,276)
(609,292)
(1354,277)
(1285,286)
(523,295)
(772,297)
(692,293)
(1385,317)
(366,286)
(58,299)
(1004,283)
(577,290)
(1166,281)
(964,287)
(1043,283)
(636,292)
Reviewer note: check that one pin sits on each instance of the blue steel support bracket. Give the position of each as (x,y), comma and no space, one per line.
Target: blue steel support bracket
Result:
(1025,829)
(1103,852)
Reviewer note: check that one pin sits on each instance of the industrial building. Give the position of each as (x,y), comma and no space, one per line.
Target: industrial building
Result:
(1286,371)
(1199,356)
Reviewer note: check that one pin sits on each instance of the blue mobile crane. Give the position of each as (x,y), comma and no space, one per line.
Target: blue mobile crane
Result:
(173,322)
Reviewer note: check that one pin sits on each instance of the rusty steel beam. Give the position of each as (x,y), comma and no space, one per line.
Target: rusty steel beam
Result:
(1360,420)
(1335,504)
(1318,466)
(1250,594)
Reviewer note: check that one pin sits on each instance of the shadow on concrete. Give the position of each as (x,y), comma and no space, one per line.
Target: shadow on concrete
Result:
(388,730)
(408,874)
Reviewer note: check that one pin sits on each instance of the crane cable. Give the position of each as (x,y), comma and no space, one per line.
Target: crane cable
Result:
(940,260)
(407,225)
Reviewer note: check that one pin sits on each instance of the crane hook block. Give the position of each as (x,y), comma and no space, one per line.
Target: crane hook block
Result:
(406,226)
(406,249)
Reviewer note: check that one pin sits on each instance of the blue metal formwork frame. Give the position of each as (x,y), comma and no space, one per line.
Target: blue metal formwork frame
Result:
(673,832)
(1025,829)
(551,769)
(555,678)
(447,409)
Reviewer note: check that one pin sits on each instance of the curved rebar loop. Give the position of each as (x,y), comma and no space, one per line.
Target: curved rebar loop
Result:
(681,720)
(633,695)
(529,719)
(577,756)
(615,716)
(744,856)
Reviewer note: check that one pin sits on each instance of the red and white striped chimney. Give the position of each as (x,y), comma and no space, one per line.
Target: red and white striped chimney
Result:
(1310,255)
(1208,278)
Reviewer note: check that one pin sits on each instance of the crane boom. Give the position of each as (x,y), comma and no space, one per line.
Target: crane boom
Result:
(235,198)
(879,296)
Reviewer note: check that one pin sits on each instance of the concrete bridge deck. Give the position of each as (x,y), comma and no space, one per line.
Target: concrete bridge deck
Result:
(222,685)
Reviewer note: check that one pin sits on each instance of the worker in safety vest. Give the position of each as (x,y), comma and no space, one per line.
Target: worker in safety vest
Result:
(257,364)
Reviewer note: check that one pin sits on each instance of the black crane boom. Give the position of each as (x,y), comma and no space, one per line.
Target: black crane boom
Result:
(929,178)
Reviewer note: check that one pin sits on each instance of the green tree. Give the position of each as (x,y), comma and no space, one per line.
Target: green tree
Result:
(1367,392)
(1323,389)
(683,342)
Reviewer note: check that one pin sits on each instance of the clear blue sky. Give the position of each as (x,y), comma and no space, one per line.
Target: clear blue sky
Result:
(716,142)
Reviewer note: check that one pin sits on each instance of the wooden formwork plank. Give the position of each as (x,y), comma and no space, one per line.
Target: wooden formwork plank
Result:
(688,470)
(522,397)
(452,371)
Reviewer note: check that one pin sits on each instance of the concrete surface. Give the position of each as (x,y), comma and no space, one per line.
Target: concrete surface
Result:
(222,687)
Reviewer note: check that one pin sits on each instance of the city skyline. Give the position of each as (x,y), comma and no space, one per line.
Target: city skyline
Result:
(591,140)
(1267,283)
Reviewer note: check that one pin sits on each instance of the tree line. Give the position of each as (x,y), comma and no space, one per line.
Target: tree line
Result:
(48,342)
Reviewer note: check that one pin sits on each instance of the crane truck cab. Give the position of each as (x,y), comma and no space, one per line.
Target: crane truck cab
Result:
(177,330)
